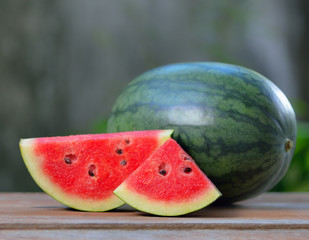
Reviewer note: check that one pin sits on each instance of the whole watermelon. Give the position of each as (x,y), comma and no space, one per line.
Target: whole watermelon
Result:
(238,126)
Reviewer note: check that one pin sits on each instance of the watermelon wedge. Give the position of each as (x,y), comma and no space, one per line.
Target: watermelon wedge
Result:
(82,171)
(168,183)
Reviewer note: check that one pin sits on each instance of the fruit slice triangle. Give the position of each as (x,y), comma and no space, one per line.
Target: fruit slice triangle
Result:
(168,183)
(82,171)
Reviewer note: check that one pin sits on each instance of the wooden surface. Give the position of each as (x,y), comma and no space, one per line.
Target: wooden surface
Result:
(270,216)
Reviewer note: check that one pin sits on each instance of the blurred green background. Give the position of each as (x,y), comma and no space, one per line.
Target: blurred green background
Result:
(64,62)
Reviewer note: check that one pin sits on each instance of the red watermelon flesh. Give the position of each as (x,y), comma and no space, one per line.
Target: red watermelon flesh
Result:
(82,171)
(168,183)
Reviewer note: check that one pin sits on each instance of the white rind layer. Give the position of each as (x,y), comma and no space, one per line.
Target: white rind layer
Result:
(162,208)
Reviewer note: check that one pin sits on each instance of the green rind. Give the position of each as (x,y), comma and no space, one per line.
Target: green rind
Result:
(162,208)
(231,120)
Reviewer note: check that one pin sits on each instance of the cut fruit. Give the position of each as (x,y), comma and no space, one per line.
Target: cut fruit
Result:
(168,183)
(82,171)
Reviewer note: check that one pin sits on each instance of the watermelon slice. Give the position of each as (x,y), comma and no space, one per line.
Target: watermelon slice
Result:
(82,171)
(168,183)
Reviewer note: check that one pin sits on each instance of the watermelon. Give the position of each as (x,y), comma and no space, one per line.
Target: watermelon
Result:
(82,171)
(238,126)
(168,183)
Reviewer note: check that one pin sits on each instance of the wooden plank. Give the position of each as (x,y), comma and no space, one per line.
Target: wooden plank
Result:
(154,235)
(36,212)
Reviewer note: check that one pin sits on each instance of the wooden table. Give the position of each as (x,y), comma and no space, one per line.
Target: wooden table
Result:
(270,216)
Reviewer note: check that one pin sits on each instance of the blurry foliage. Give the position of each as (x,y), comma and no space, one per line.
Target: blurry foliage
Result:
(100,126)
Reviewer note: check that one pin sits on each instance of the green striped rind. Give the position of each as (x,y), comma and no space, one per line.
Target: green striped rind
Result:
(162,208)
(233,121)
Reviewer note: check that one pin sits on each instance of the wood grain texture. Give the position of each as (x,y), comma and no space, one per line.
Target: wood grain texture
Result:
(37,215)
(154,234)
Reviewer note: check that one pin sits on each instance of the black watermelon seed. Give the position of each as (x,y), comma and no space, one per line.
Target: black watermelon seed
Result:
(119,151)
(70,158)
(67,160)
(187,170)
(91,170)
(123,162)
(163,172)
